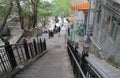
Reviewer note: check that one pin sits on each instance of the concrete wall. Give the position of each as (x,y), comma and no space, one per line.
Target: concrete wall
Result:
(91,16)
(110,45)
(118,1)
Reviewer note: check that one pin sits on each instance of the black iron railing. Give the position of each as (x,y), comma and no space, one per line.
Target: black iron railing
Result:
(13,55)
(82,65)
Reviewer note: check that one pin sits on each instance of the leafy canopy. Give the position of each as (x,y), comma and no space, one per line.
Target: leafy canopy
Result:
(61,8)
(4,6)
(44,9)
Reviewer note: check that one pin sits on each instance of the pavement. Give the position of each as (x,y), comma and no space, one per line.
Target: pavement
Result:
(54,64)
(16,33)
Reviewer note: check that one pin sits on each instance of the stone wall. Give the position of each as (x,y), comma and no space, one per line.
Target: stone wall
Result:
(107,34)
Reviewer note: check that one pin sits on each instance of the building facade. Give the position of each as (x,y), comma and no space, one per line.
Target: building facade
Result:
(105,40)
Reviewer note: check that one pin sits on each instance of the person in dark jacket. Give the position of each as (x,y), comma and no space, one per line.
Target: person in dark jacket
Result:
(59,29)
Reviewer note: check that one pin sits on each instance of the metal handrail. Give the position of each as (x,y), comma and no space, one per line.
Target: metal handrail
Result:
(77,63)
(84,64)
(96,68)
(13,55)
(11,45)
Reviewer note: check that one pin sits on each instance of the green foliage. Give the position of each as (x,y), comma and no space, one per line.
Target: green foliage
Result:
(2,11)
(44,12)
(112,60)
(61,8)
(25,12)
(44,9)
(4,5)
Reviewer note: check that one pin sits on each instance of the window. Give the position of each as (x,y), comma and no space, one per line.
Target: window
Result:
(99,14)
(114,30)
(106,22)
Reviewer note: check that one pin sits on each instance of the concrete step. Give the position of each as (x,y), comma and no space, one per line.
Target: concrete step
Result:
(55,64)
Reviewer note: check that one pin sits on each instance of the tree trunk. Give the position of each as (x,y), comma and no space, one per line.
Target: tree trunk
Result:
(6,16)
(30,19)
(35,6)
(20,15)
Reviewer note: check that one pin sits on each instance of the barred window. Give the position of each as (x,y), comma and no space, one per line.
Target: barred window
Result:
(114,29)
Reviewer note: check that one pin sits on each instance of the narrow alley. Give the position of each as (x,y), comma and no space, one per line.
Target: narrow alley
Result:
(54,64)
(59,38)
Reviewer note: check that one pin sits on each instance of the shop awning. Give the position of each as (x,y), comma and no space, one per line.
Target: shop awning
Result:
(84,6)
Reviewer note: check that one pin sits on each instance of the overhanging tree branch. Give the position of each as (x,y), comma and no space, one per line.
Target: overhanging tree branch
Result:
(32,2)
(7,15)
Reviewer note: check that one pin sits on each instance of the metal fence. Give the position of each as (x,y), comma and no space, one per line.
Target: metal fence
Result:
(82,66)
(17,54)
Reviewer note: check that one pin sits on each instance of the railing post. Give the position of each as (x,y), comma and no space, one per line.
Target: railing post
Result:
(31,51)
(10,54)
(38,45)
(45,44)
(76,55)
(41,45)
(84,62)
(26,49)
(35,47)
